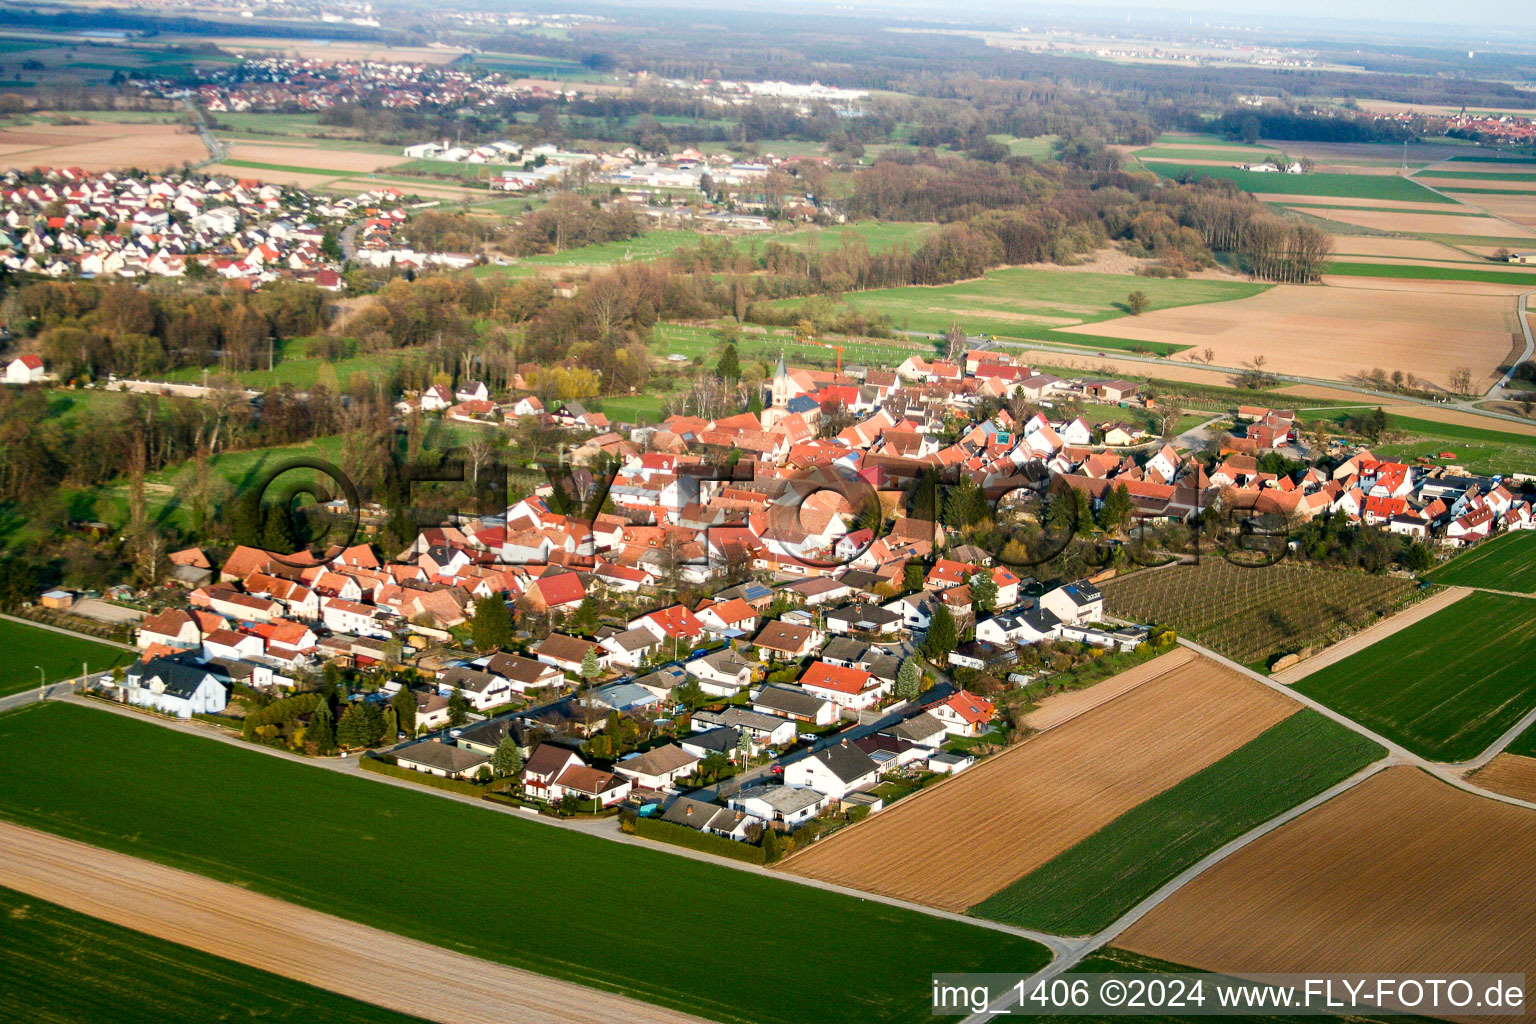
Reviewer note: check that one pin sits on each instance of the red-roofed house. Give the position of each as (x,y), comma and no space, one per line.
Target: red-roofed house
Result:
(847,687)
(964,714)
(673,623)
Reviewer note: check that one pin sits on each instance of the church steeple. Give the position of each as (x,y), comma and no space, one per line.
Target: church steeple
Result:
(781,370)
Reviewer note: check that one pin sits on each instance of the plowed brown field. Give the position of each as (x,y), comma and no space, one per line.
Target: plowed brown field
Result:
(1509,774)
(375,966)
(958,843)
(99,146)
(1336,333)
(1402,873)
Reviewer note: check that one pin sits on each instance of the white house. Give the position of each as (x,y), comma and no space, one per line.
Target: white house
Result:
(1075,602)
(658,768)
(24,370)
(834,772)
(783,804)
(174,686)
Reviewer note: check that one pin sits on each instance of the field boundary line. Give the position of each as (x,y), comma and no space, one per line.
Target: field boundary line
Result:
(602,828)
(1372,634)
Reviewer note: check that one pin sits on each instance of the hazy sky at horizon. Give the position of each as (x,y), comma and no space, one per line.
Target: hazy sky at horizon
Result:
(1512,15)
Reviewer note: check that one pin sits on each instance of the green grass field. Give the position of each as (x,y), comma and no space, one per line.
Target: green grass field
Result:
(1036,147)
(649,246)
(1445,687)
(1021,304)
(28,648)
(1473,175)
(1506,562)
(876,234)
(60,966)
(641,409)
(704,343)
(255,165)
(1087,887)
(651,924)
(301,372)
(1350,186)
(1234,151)
(1468,273)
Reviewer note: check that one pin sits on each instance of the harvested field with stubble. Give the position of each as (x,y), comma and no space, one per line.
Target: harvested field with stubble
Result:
(1509,775)
(1402,873)
(1002,819)
(1253,614)
(1336,333)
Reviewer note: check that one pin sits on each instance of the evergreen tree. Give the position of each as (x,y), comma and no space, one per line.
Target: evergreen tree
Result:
(689,694)
(321,730)
(352,730)
(507,760)
(404,704)
(913,575)
(590,670)
(585,619)
(729,367)
(245,522)
(942,635)
(1115,513)
(391,724)
(983,593)
(773,846)
(492,624)
(755,402)
(909,679)
(278,532)
(458,707)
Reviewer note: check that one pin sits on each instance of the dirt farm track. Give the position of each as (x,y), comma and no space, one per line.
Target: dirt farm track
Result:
(306,945)
(1402,873)
(958,843)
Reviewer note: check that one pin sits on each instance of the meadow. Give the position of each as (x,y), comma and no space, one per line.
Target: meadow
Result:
(335,842)
(1445,687)
(1344,186)
(1506,562)
(28,648)
(1253,614)
(63,966)
(705,343)
(649,246)
(1021,303)
(1089,886)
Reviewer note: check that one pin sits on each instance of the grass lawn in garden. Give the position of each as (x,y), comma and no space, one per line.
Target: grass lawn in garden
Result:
(1445,687)
(60,965)
(1505,562)
(308,836)
(1088,886)
(27,647)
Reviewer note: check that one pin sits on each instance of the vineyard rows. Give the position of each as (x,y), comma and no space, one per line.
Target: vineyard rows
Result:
(1251,615)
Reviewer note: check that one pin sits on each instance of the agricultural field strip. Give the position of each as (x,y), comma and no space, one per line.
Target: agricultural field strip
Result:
(1509,559)
(1397,755)
(1107,935)
(349,767)
(1069,778)
(135,978)
(1379,630)
(305,945)
(1446,885)
(1088,886)
(1449,686)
